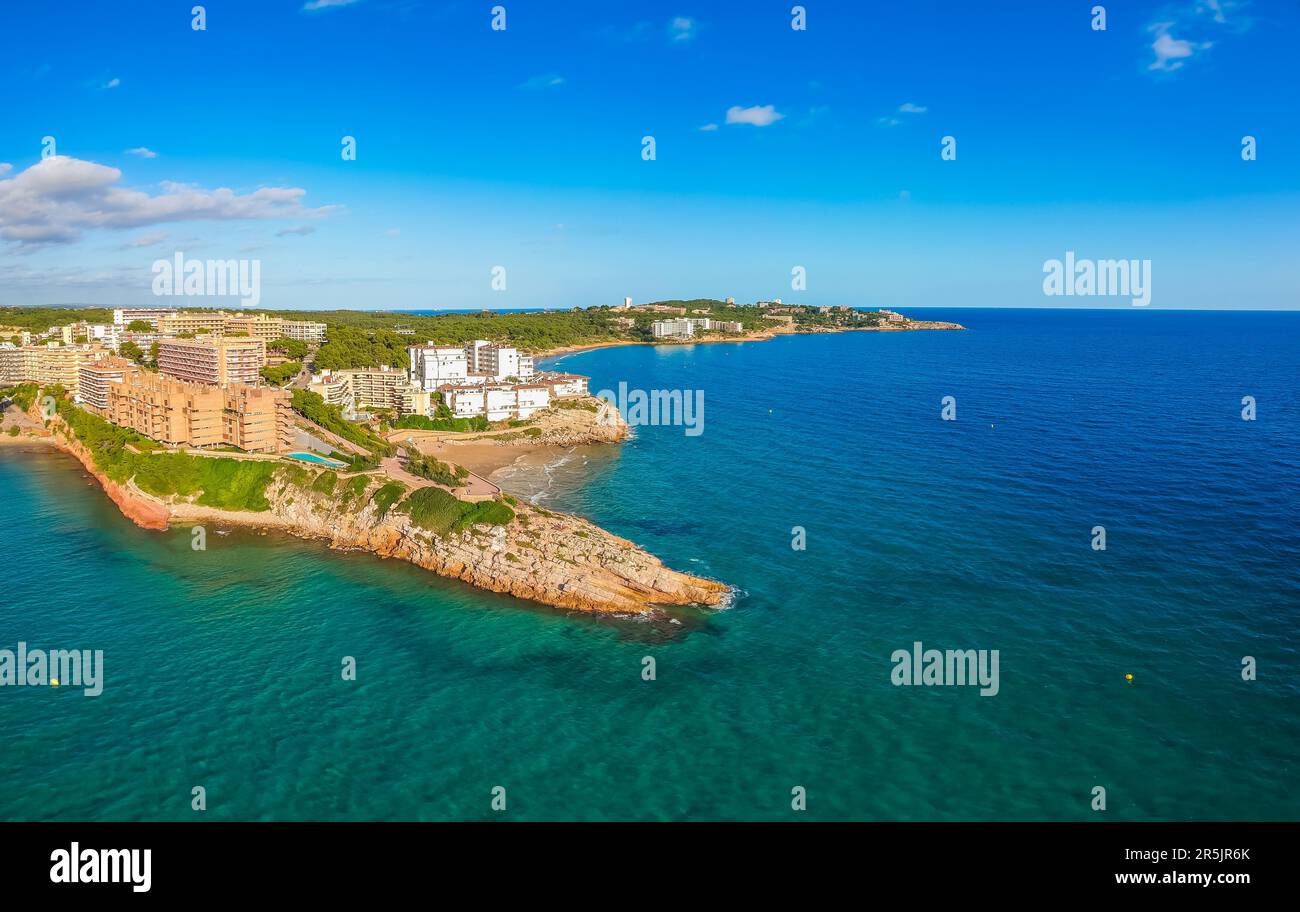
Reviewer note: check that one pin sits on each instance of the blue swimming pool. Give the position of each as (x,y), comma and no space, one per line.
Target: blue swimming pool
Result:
(319,460)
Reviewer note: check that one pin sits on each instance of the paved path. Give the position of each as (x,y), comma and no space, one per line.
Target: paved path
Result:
(475,485)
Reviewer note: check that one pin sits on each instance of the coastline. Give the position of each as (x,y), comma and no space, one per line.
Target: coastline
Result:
(763,335)
(555,559)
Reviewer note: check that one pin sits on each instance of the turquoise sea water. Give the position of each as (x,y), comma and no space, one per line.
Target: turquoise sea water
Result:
(222,667)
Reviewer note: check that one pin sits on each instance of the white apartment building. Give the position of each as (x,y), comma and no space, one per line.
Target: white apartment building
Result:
(304,330)
(497,362)
(124,315)
(564,386)
(433,366)
(681,328)
(685,328)
(497,403)
(372,388)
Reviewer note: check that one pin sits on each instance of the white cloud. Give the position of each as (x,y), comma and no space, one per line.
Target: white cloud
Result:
(58,198)
(545,81)
(1171,52)
(681,28)
(112,83)
(909,108)
(758,115)
(300,231)
(142,152)
(147,240)
(314,5)
(5,167)
(708,128)
(1214,8)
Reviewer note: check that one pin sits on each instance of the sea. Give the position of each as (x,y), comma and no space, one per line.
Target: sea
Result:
(853,521)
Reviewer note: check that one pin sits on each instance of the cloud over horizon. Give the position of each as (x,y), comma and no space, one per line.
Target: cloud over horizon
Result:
(58,198)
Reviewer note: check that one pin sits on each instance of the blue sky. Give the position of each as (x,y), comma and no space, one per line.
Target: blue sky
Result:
(522,148)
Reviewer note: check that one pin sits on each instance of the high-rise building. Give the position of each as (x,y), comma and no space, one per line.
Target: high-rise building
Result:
(215,361)
(497,362)
(304,331)
(433,366)
(96,377)
(48,365)
(255,419)
(122,316)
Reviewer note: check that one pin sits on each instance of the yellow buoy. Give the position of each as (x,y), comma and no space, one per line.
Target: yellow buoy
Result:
(54,682)
(1129,678)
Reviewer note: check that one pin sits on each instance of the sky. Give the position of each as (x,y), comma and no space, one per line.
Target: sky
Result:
(519,154)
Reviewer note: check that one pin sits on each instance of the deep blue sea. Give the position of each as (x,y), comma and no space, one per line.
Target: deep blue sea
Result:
(223,667)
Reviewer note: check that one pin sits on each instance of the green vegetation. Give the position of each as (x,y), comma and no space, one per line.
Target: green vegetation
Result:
(387,495)
(282,373)
(811,316)
(39,319)
(22,395)
(325,482)
(139,326)
(226,484)
(365,339)
(292,348)
(356,462)
(13,430)
(314,408)
(582,404)
(427,467)
(421,423)
(442,514)
(295,475)
(129,349)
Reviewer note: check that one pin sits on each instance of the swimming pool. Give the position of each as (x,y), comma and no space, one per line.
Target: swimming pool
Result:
(319,460)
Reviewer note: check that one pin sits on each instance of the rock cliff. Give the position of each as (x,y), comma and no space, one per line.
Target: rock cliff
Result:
(548,557)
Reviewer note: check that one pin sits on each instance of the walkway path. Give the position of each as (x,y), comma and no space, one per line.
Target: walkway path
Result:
(475,486)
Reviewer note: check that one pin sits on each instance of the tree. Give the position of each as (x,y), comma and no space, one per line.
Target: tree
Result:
(294,348)
(130,350)
(139,326)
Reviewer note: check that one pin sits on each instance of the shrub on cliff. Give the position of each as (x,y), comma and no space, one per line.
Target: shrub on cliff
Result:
(423,423)
(225,484)
(387,495)
(428,467)
(442,514)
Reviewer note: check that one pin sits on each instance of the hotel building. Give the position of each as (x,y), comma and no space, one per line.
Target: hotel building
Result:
(48,364)
(214,361)
(433,366)
(124,315)
(96,378)
(685,328)
(497,403)
(304,330)
(372,388)
(255,419)
(497,361)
